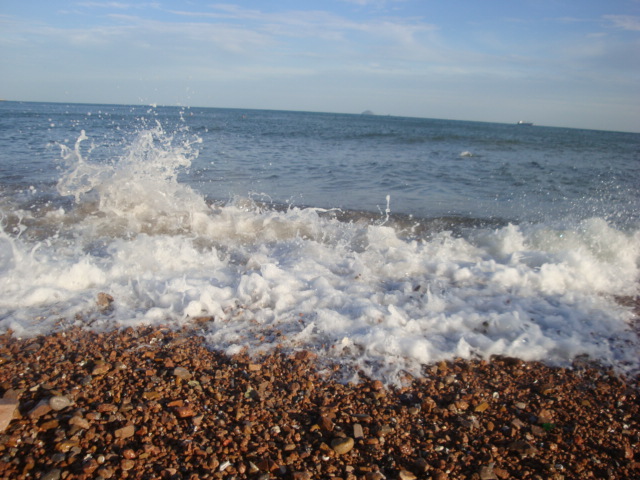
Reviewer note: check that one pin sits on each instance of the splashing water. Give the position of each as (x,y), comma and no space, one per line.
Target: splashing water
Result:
(358,291)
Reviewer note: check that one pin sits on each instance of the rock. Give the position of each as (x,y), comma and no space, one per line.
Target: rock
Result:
(522,447)
(374,476)
(326,423)
(100,368)
(54,474)
(342,445)
(487,473)
(481,407)
(185,411)
(8,408)
(89,466)
(104,301)
(406,475)
(357,431)
(385,430)
(182,373)
(125,432)
(127,464)
(59,402)
(42,408)
(105,472)
(304,356)
(79,422)
(302,476)
(50,425)
(501,473)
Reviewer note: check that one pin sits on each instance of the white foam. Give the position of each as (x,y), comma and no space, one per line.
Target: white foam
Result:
(354,292)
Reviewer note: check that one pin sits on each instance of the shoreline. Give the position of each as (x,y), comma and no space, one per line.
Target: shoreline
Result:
(156,403)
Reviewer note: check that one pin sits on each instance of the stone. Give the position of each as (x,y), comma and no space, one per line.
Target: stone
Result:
(357,431)
(54,474)
(406,475)
(487,473)
(326,423)
(125,432)
(302,476)
(59,402)
(104,301)
(100,368)
(481,407)
(185,412)
(42,408)
(8,408)
(79,422)
(342,445)
(182,373)
(127,464)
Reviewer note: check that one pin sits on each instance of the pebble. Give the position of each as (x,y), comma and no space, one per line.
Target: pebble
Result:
(406,475)
(79,422)
(59,402)
(42,408)
(8,408)
(342,445)
(388,432)
(54,474)
(127,464)
(487,473)
(182,373)
(185,411)
(125,432)
(100,368)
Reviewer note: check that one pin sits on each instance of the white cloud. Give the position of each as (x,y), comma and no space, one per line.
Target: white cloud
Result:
(625,22)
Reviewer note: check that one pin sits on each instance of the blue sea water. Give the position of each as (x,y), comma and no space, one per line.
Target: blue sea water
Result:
(384,242)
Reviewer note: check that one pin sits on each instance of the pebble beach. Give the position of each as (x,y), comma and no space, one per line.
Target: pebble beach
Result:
(150,403)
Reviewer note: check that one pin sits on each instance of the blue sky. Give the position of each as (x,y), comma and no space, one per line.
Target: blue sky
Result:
(572,63)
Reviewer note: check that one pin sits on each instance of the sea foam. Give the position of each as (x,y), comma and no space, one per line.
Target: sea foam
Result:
(359,292)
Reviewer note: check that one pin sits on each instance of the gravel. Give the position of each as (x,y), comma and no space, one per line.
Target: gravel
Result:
(156,403)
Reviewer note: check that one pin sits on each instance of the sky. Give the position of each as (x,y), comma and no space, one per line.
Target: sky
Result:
(570,63)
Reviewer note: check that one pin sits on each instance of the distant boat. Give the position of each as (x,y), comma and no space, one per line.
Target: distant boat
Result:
(522,122)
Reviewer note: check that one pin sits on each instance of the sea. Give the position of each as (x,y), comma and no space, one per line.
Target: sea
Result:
(383,244)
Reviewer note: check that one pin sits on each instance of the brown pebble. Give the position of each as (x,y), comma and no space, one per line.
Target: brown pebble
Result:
(89,466)
(406,475)
(105,472)
(79,422)
(8,409)
(50,425)
(326,423)
(42,408)
(125,432)
(104,301)
(302,476)
(482,407)
(487,473)
(182,373)
(100,368)
(128,453)
(127,464)
(184,412)
(342,445)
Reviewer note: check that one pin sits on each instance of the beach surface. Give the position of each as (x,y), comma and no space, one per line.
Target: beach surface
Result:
(157,403)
